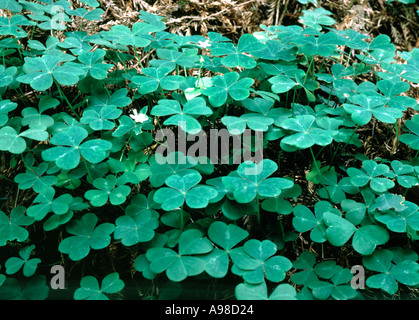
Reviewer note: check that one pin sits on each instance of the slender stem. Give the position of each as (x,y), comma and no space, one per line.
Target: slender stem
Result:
(308,70)
(22,95)
(397,135)
(17,197)
(138,59)
(87,169)
(281,226)
(359,66)
(349,57)
(125,146)
(346,144)
(78,95)
(293,101)
(18,49)
(161,129)
(258,209)
(3,177)
(106,87)
(162,92)
(28,167)
(182,222)
(62,95)
(318,170)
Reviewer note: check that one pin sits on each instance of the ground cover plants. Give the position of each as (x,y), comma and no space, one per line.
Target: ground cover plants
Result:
(84,116)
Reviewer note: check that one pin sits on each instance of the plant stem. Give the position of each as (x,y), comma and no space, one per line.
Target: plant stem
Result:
(346,144)
(62,95)
(258,209)
(318,170)
(293,101)
(125,146)
(87,169)
(281,226)
(182,222)
(397,135)
(138,59)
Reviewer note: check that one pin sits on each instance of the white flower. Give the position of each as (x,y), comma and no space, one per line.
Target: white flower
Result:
(204,44)
(138,117)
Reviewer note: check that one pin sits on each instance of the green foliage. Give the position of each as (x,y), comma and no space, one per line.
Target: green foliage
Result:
(82,131)
(14,264)
(90,289)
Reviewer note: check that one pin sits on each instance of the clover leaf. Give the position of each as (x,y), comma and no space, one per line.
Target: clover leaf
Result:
(11,141)
(35,119)
(392,90)
(7,76)
(279,204)
(334,189)
(304,220)
(400,221)
(368,105)
(246,291)
(42,71)
(338,289)
(411,138)
(101,99)
(182,117)
(33,178)
(365,238)
(87,235)
(184,263)
(254,121)
(324,45)
(11,5)
(403,174)
(237,56)
(10,26)
(90,289)
(6,106)
(35,289)
(93,60)
(317,18)
(186,59)
(14,264)
(140,204)
(227,237)
(132,230)
(156,77)
(371,174)
(282,83)
(184,189)
(136,36)
(163,167)
(228,85)
(101,120)
(89,15)
(45,203)
(11,227)
(386,202)
(405,271)
(251,181)
(107,190)
(354,211)
(305,262)
(70,147)
(306,132)
(255,261)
